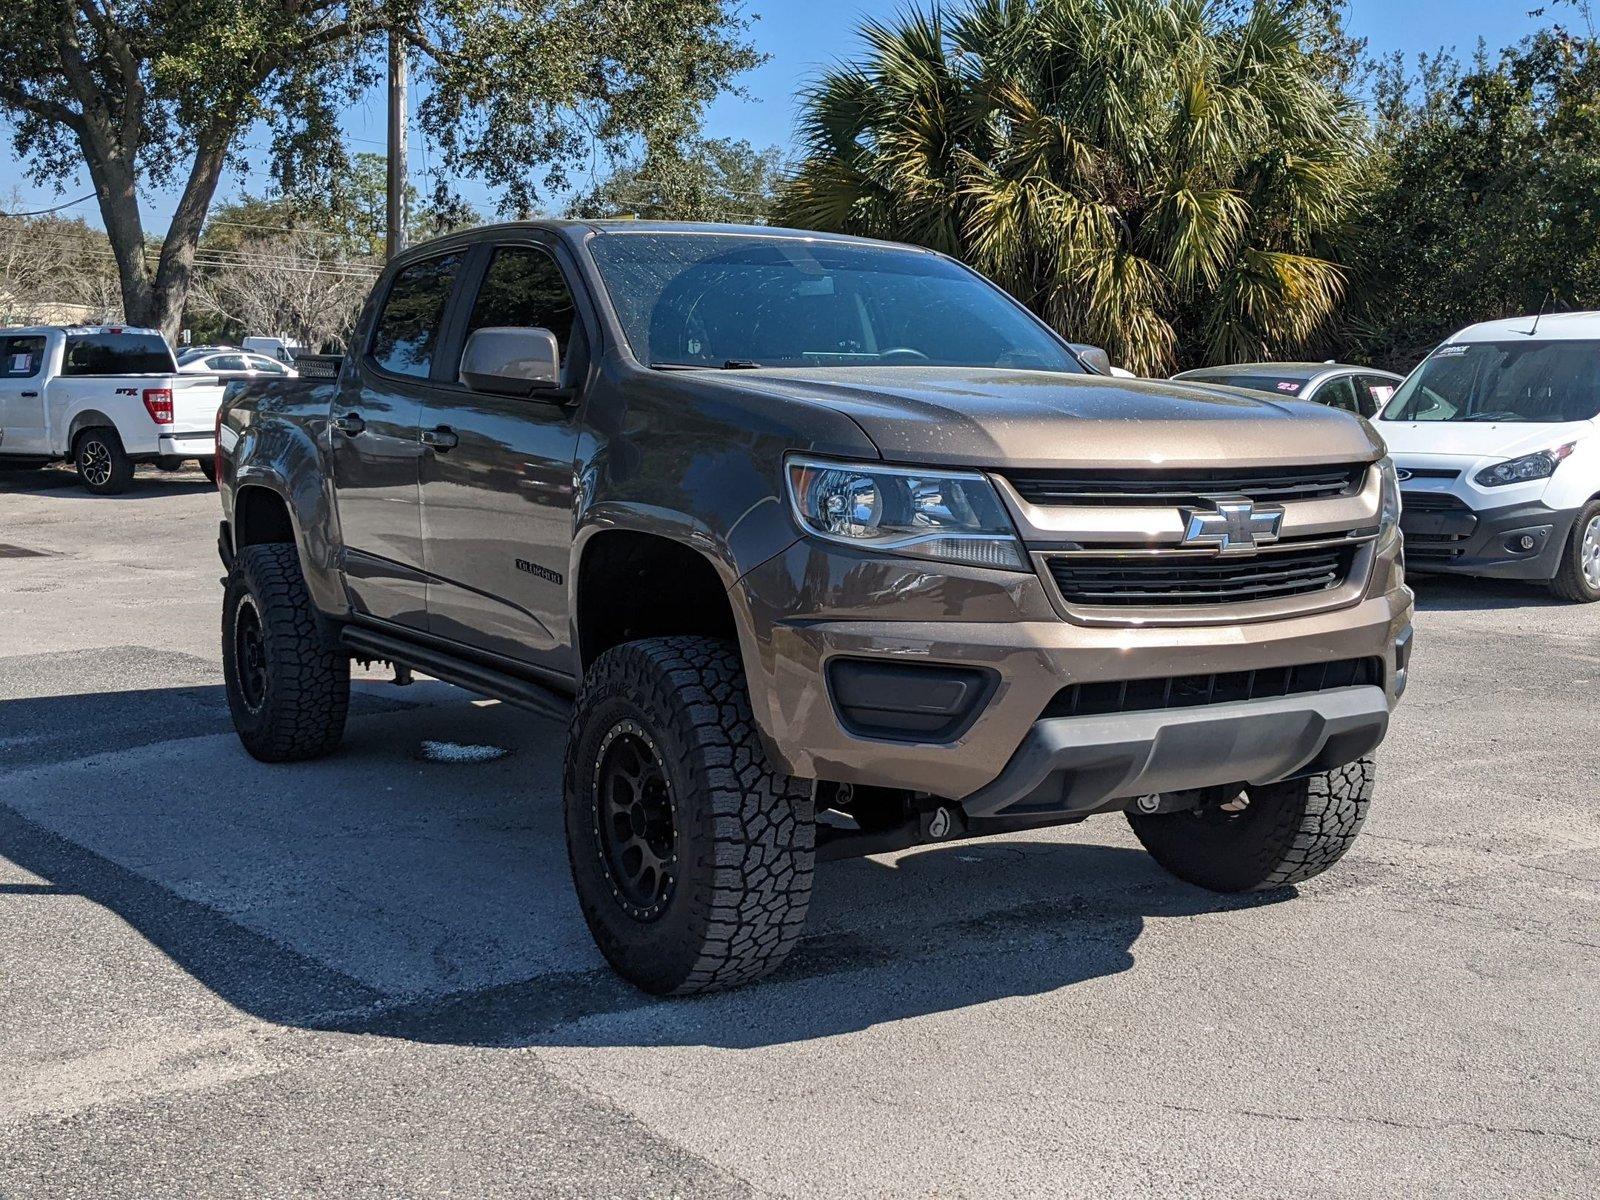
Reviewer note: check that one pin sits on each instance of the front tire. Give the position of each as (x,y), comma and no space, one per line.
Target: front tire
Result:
(288,691)
(691,853)
(104,467)
(1284,834)
(1578,576)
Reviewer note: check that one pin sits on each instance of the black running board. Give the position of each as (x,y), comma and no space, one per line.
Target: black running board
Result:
(474,677)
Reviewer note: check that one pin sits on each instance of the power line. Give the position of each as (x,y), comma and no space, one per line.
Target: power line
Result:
(44,212)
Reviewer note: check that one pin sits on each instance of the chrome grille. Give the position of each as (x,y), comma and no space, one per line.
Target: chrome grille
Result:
(1177,579)
(1167,488)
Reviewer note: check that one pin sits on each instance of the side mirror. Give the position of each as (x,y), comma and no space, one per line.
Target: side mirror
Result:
(1093,357)
(511,360)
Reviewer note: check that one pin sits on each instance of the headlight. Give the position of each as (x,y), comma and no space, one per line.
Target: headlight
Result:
(1540,465)
(952,516)
(1389,504)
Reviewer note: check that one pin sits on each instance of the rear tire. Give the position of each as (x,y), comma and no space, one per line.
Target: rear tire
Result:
(288,690)
(1287,833)
(1578,576)
(691,853)
(208,467)
(104,467)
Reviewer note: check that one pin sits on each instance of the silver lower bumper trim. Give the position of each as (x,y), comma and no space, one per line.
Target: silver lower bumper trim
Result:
(1078,764)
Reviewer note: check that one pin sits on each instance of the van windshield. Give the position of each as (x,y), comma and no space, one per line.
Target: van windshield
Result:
(1526,382)
(715,300)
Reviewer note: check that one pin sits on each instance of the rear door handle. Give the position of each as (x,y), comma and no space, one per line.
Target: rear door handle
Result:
(350,424)
(30,395)
(441,439)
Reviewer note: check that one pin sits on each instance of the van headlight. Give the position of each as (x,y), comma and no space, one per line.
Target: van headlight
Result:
(1389,502)
(1540,465)
(951,516)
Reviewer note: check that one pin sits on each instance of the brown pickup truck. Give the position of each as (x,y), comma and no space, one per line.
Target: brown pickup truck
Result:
(838,549)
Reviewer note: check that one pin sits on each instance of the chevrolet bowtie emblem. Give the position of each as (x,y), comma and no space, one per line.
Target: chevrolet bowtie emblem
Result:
(1232,526)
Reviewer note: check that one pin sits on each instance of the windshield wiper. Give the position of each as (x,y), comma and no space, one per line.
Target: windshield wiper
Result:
(732,364)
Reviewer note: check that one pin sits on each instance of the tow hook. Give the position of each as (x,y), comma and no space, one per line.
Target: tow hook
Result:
(937,824)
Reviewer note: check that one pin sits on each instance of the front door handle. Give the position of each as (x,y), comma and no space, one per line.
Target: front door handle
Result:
(441,439)
(30,395)
(349,424)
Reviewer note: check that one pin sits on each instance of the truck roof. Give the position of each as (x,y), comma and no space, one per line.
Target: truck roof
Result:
(27,329)
(1567,326)
(577,229)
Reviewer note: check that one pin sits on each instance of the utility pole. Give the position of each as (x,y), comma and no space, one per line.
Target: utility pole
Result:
(395,215)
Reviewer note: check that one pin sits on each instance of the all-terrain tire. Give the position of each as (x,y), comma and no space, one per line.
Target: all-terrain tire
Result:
(104,467)
(1287,833)
(742,832)
(1575,578)
(288,689)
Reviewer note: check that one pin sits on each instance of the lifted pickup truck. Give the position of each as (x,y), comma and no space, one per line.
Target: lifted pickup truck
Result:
(840,551)
(103,397)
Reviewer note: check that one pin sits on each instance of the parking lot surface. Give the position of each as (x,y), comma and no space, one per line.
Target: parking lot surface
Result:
(368,975)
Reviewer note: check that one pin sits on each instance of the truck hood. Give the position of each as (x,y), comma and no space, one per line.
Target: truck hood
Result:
(1434,441)
(989,417)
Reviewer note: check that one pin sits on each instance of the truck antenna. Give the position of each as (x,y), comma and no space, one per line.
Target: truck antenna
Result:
(1547,296)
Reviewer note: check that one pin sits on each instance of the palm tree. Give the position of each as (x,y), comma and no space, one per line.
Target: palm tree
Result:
(1150,175)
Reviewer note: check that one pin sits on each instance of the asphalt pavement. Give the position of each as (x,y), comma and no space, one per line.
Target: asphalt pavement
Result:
(367,976)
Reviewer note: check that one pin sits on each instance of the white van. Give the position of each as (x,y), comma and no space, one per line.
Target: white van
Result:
(1497,444)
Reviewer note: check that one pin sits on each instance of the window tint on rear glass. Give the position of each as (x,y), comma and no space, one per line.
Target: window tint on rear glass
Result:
(21,357)
(1257,383)
(117,354)
(407,330)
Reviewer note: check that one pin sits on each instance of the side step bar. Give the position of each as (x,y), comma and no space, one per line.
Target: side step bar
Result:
(475,677)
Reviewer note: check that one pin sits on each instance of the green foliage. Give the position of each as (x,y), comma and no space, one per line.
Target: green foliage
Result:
(515,92)
(1485,194)
(691,180)
(1162,178)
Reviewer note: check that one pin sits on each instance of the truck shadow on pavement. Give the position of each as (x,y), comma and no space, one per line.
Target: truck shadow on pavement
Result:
(62,482)
(1443,593)
(371,893)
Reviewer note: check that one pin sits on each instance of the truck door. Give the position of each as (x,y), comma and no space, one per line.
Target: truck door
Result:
(497,476)
(22,421)
(376,448)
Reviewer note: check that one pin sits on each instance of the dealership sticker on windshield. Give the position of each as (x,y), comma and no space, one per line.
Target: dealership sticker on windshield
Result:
(1285,385)
(1450,351)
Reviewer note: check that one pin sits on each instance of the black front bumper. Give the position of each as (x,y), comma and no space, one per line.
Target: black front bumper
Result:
(1446,536)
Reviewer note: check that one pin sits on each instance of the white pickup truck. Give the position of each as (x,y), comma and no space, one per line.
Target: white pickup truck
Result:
(103,397)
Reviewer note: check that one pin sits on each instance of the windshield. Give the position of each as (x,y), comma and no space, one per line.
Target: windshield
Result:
(1514,382)
(714,300)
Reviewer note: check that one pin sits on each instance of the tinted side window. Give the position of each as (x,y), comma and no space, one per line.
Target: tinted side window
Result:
(1339,392)
(227,362)
(117,354)
(21,357)
(407,331)
(524,286)
(1375,392)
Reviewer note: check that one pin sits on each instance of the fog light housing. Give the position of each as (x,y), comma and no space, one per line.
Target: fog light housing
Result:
(1524,542)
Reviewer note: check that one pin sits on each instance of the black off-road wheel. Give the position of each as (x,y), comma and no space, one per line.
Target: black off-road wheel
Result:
(1265,837)
(288,690)
(691,853)
(1578,576)
(104,467)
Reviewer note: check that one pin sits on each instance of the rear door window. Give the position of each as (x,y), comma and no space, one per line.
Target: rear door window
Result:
(1338,392)
(21,357)
(227,362)
(407,330)
(119,353)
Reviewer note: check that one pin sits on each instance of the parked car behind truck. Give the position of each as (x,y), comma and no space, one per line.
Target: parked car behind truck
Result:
(104,397)
(1361,390)
(838,549)
(1497,438)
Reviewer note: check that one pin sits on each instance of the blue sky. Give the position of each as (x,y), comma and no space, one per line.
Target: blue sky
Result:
(805,36)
